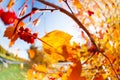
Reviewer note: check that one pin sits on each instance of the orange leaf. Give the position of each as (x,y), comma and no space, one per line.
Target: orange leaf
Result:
(13,39)
(1,1)
(98,77)
(23,11)
(11,32)
(82,78)
(77,4)
(31,53)
(60,0)
(110,56)
(36,21)
(10,4)
(75,70)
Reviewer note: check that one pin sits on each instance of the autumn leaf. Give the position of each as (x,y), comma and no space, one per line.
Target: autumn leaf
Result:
(23,11)
(13,39)
(56,39)
(10,4)
(11,34)
(60,0)
(30,74)
(36,22)
(110,56)
(59,47)
(31,53)
(98,77)
(1,1)
(41,68)
(77,4)
(53,44)
(74,73)
(90,13)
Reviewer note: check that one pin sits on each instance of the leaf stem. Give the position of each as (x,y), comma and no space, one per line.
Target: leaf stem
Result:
(68,6)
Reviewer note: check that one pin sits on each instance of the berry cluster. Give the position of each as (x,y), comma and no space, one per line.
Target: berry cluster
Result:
(7,17)
(26,35)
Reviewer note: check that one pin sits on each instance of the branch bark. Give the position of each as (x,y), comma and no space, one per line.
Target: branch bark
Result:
(74,19)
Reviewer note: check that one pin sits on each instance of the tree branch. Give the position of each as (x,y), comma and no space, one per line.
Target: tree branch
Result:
(73,17)
(80,26)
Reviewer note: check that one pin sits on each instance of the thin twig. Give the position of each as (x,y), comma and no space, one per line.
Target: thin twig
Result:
(68,6)
(33,10)
(44,9)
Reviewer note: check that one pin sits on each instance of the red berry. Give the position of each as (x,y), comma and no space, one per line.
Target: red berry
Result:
(8,17)
(35,35)
(27,30)
(32,40)
(1,11)
(21,29)
(21,35)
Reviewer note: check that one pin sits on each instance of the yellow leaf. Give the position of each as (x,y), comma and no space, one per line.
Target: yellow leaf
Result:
(57,45)
(77,4)
(57,39)
(10,4)
(30,74)
(60,0)
(41,68)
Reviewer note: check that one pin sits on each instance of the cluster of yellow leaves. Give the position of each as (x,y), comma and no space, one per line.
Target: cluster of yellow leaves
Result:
(32,75)
(107,28)
(58,48)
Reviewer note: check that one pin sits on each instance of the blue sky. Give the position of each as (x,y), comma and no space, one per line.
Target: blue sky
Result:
(49,22)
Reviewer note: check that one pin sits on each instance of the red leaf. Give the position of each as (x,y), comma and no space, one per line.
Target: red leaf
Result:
(90,13)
